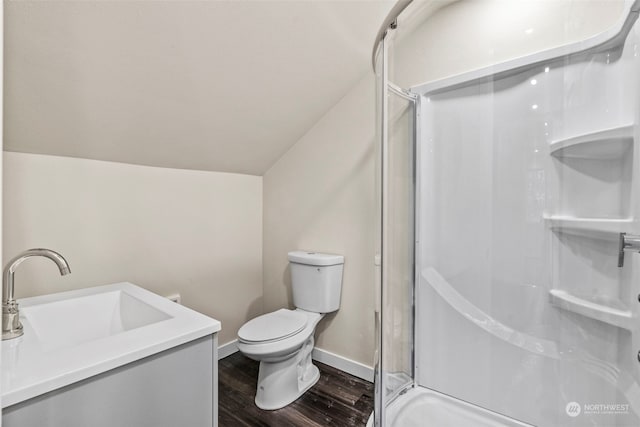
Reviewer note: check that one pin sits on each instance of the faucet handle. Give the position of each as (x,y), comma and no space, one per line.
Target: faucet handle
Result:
(11,326)
(627,243)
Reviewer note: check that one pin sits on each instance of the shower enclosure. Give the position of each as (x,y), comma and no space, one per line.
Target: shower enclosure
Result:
(509,291)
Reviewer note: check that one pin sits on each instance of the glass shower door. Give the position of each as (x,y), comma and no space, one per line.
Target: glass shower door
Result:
(395,260)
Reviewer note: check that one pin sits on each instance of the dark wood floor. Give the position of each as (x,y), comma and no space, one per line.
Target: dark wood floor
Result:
(337,399)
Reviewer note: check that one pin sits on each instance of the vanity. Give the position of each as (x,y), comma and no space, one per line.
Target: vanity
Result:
(114,355)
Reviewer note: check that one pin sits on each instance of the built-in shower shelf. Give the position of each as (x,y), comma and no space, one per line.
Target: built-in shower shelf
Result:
(601,145)
(576,225)
(604,313)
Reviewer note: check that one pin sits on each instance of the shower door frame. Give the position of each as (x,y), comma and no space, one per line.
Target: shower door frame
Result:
(384,90)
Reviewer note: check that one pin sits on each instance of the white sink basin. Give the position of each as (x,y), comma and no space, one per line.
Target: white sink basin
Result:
(73,335)
(70,322)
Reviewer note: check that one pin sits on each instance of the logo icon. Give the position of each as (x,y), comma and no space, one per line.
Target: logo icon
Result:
(573,409)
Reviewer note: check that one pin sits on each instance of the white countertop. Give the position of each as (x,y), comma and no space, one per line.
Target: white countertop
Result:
(33,364)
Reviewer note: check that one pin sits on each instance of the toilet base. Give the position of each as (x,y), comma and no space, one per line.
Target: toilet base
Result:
(281,383)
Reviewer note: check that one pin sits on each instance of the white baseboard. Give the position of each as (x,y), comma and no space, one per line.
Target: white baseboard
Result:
(227,349)
(349,366)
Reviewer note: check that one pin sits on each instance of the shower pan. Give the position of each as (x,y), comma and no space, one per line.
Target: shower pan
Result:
(509,278)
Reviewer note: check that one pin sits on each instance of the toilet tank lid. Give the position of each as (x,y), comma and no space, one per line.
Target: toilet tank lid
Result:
(315,258)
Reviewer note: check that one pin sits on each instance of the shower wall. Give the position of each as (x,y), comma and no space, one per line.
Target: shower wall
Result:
(469,34)
(525,182)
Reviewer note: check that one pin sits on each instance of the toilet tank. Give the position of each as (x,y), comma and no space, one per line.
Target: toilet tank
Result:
(316,280)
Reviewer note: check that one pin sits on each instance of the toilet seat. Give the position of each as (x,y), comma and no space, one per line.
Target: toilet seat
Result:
(271,327)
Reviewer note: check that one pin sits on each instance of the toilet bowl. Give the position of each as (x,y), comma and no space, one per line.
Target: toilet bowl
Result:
(282,341)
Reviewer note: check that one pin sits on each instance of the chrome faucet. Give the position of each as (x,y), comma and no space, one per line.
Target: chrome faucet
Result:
(11,326)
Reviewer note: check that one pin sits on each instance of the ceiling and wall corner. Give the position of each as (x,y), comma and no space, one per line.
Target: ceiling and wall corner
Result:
(222,86)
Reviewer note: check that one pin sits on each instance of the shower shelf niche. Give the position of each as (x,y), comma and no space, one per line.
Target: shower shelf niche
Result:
(578,225)
(613,316)
(605,144)
(595,176)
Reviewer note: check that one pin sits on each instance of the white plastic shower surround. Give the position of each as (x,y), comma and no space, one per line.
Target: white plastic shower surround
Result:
(535,162)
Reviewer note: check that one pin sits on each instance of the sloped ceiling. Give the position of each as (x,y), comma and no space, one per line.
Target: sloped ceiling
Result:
(209,85)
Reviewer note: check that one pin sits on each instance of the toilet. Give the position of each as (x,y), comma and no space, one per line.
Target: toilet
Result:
(282,341)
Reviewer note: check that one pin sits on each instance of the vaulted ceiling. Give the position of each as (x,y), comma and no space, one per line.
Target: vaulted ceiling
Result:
(210,85)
